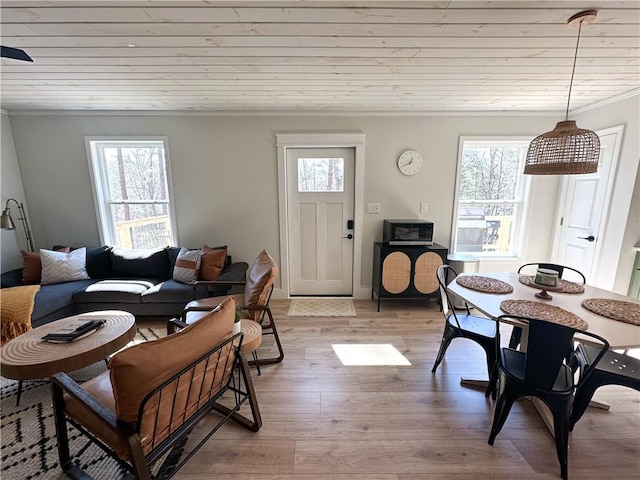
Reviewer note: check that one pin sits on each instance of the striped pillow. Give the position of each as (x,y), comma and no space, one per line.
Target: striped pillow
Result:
(187,266)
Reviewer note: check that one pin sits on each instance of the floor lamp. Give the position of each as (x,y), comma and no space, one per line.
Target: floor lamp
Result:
(6,222)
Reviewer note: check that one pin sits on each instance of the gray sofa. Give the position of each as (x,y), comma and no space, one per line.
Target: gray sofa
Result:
(141,286)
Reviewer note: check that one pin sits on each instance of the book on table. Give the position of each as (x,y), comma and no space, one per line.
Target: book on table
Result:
(69,335)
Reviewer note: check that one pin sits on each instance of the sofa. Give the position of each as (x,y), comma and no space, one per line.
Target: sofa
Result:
(142,282)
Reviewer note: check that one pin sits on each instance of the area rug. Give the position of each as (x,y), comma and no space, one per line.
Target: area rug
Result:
(29,446)
(322,307)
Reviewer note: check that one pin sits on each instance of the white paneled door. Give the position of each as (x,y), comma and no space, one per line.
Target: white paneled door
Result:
(586,199)
(320,208)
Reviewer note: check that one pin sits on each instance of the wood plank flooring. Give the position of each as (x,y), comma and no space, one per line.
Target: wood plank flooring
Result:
(326,421)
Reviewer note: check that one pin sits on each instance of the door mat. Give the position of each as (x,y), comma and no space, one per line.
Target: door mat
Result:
(29,446)
(322,307)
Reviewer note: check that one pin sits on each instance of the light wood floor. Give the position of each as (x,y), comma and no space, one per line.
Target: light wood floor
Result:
(324,420)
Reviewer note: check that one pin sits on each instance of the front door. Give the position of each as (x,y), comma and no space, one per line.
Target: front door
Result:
(320,208)
(586,198)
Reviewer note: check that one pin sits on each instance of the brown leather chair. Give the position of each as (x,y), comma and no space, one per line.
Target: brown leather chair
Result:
(155,393)
(258,287)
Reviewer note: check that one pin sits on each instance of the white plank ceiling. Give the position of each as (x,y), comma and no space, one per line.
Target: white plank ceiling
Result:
(316,56)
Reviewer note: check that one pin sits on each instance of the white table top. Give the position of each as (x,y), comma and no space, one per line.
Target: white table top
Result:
(620,335)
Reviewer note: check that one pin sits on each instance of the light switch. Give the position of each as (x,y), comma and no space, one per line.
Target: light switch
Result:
(424,207)
(373,208)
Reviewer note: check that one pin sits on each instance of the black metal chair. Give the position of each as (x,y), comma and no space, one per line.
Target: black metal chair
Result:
(516,333)
(464,325)
(541,372)
(613,369)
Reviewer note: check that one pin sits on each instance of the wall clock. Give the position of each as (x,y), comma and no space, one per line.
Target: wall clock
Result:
(410,162)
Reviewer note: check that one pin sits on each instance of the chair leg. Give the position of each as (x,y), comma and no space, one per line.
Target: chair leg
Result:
(581,400)
(447,336)
(503,407)
(273,331)
(60,421)
(560,412)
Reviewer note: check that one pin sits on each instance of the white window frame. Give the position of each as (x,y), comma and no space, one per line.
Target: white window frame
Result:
(522,195)
(100,188)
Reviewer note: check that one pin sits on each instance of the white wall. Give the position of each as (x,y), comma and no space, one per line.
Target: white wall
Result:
(623,223)
(225,174)
(11,241)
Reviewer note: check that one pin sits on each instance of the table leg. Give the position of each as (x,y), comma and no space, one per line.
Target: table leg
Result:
(19,392)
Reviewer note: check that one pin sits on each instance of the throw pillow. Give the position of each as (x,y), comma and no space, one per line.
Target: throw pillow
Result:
(212,262)
(187,266)
(33,266)
(58,267)
(128,263)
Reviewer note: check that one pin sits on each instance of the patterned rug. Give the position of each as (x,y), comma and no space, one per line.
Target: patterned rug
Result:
(29,446)
(322,307)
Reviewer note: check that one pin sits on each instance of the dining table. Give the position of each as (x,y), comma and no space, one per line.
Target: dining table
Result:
(622,333)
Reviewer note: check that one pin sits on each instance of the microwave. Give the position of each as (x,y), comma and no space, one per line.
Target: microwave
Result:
(407,232)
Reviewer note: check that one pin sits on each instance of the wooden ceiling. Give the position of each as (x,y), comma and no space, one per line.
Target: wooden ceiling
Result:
(316,56)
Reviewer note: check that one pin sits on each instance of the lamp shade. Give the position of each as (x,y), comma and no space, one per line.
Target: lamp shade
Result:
(6,222)
(564,150)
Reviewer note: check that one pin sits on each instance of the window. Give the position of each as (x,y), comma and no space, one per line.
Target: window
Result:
(489,197)
(132,191)
(320,174)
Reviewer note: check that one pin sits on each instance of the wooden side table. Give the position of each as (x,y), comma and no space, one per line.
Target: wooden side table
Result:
(252,339)
(28,357)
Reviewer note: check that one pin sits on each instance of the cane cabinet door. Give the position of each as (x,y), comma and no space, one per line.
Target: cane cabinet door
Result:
(425,280)
(396,272)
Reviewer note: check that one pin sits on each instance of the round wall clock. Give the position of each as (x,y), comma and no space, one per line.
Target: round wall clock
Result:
(410,162)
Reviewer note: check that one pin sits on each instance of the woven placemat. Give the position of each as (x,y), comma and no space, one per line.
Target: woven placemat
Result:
(542,311)
(484,284)
(567,287)
(614,309)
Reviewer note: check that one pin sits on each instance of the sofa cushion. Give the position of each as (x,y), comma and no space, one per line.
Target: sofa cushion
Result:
(58,267)
(187,266)
(32,269)
(137,370)
(212,262)
(169,291)
(127,263)
(113,291)
(57,297)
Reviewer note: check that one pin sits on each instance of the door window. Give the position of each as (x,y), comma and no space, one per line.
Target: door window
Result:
(320,174)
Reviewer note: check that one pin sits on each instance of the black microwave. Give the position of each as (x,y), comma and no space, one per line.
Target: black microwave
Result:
(407,232)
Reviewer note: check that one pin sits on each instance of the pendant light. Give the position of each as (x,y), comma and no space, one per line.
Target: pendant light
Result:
(566,149)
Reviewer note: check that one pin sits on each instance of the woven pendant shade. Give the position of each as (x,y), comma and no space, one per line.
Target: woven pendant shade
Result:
(564,150)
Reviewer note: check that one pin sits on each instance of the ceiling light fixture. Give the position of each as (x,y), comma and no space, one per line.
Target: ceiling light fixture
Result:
(566,149)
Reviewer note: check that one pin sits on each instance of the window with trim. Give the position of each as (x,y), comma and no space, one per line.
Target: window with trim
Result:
(131,184)
(490,196)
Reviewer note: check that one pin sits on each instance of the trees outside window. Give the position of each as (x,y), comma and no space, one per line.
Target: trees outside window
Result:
(320,174)
(490,197)
(132,190)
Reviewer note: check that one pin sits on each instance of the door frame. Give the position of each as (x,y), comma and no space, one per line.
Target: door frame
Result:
(608,240)
(353,140)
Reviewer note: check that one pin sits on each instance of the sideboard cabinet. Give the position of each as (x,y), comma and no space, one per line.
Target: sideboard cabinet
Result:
(406,271)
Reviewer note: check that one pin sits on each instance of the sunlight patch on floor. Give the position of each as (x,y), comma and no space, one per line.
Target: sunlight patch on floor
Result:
(369,354)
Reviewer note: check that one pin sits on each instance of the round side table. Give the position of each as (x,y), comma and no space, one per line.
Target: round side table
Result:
(251,340)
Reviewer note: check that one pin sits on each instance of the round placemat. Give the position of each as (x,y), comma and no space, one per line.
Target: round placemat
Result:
(567,287)
(614,309)
(484,284)
(542,311)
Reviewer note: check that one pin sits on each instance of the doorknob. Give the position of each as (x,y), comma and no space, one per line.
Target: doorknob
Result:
(590,238)
(349,236)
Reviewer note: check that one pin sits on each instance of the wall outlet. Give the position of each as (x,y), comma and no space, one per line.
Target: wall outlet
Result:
(373,208)
(424,207)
